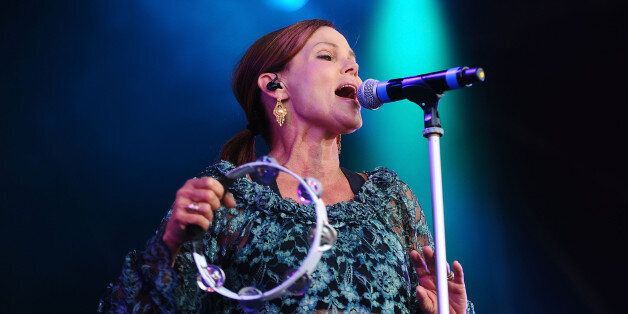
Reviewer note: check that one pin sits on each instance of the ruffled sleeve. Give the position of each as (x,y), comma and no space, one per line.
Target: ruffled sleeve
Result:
(149,283)
(410,224)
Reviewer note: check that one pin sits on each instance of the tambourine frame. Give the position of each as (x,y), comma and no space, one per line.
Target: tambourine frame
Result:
(311,260)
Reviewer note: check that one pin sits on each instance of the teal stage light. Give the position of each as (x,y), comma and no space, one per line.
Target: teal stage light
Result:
(406,38)
(287,5)
(409,38)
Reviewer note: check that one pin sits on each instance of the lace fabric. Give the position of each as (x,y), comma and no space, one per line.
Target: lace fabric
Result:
(257,244)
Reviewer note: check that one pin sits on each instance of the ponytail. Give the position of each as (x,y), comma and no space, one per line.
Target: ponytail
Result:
(240,149)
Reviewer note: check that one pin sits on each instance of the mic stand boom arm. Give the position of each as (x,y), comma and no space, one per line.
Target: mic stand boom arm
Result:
(427,99)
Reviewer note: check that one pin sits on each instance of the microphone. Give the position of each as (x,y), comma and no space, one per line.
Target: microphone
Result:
(372,94)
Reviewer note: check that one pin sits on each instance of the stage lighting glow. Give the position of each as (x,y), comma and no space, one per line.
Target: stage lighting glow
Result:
(410,38)
(287,5)
(406,38)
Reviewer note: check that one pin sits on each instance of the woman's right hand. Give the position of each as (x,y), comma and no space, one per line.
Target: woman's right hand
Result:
(195,204)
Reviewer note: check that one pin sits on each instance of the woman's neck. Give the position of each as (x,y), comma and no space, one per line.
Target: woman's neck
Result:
(308,154)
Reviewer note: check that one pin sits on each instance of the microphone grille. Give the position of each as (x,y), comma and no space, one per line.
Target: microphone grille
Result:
(367,94)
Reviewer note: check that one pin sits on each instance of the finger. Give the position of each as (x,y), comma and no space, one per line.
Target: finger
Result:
(458,272)
(181,202)
(182,218)
(205,196)
(201,209)
(183,193)
(229,200)
(427,302)
(428,252)
(449,272)
(189,183)
(208,183)
(419,263)
(187,219)
(415,257)
(430,260)
(428,256)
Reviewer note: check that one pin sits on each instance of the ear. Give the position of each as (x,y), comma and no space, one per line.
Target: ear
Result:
(262,83)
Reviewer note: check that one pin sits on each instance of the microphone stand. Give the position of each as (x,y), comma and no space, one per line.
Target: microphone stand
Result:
(428,99)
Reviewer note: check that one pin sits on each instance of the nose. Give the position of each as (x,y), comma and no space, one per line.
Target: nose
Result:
(351,67)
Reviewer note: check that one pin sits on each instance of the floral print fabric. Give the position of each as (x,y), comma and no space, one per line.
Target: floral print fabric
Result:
(265,237)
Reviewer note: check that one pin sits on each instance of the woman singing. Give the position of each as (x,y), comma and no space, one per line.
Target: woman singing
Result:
(297,87)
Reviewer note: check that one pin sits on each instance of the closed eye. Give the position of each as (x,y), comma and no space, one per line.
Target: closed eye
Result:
(326,57)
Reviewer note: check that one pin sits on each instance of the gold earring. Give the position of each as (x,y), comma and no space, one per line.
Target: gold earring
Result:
(339,141)
(280,112)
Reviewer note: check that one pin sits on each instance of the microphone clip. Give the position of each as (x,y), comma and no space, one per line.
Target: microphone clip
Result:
(421,94)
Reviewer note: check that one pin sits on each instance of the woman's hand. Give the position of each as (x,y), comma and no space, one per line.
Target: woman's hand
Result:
(426,290)
(195,204)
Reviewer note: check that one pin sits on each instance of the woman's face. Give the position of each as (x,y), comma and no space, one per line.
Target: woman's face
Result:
(322,81)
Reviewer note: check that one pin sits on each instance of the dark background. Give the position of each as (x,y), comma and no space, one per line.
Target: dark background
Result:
(102,121)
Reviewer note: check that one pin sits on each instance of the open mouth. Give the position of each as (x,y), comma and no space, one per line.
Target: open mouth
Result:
(346,91)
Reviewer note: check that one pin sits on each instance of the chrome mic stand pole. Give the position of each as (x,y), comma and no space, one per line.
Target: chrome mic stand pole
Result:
(427,99)
(433,135)
(425,91)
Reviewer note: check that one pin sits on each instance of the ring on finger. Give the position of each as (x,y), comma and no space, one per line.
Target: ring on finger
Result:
(450,275)
(193,207)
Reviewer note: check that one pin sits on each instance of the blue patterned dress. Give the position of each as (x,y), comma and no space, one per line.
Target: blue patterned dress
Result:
(366,271)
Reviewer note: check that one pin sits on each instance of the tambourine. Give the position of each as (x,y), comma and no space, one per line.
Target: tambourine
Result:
(211,277)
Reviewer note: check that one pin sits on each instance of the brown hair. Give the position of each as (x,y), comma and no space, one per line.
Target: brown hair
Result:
(270,53)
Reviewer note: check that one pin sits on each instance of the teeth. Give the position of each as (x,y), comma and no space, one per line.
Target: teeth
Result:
(347,85)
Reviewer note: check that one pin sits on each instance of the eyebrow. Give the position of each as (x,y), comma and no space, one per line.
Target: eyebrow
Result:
(351,53)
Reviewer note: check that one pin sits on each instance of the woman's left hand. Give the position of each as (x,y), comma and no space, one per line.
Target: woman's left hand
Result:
(426,290)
